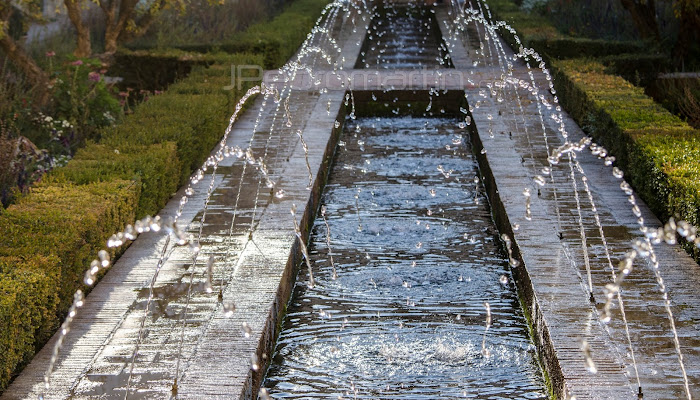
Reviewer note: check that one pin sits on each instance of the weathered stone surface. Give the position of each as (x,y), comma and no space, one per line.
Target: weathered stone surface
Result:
(254,271)
(553,279)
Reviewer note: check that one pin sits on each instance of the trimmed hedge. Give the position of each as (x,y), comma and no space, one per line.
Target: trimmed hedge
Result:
(28,301)
(194,122)
(69,222)
(537,32)
(165,139)
(640,69)
(51,234)
(277,40)
(153,166)
(658,151)
(49,237)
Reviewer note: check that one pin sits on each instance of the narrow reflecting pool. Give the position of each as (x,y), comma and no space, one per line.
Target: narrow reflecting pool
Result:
(417,257)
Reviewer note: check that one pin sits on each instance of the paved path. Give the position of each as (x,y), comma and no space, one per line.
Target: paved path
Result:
(553,279)
(257,272)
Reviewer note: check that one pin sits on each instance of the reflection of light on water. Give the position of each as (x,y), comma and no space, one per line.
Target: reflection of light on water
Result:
(409,351)
(401,320)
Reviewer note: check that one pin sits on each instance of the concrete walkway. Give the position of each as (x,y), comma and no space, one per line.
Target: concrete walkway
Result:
(256,272)
(553,279)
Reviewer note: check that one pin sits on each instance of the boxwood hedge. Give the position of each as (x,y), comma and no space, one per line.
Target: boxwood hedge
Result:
(657,150)
(51,234)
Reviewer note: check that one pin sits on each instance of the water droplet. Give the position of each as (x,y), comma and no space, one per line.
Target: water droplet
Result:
(590,365)
(617,173)
(247,330)
(254,363)
(104,258)
(229,309)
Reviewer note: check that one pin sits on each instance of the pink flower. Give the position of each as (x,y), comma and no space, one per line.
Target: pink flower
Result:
(50,54)
(123,94)
(77,63)
(94,76)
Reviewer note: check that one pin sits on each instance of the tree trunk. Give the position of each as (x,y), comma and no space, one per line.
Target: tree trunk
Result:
(34,75)
(84,49)
(111,37)
(143,23)
(644,17)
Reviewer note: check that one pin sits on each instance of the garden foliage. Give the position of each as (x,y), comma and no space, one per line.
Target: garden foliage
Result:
(51,234)
(657,150)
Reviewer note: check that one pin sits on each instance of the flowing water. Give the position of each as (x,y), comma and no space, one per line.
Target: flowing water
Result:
(402,37)
(418,263)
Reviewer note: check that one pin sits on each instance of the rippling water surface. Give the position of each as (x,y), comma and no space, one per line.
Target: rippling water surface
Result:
(403,37)
(417,256)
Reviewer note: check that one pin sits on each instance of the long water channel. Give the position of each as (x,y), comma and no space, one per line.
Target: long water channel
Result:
(413,298)
(417,257)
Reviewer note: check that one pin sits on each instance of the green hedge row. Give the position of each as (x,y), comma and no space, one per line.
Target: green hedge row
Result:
(276,40)
(51,234)
(537,32)
(640,69)
(636,61)
(28,301)
(657,150)
(166,138)
(49,238)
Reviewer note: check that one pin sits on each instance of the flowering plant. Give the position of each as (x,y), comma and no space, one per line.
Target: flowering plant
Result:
(82,100)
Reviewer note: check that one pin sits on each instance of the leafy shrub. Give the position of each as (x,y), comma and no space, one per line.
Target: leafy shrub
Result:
(50,236)
(640,69)
(679,95)
(204,21)
(21,164)
(194,122)
(82,98)
(657,150)
(69,222)
(276,40)
(28,302)
(156,167)
(154,70)
(537,31)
